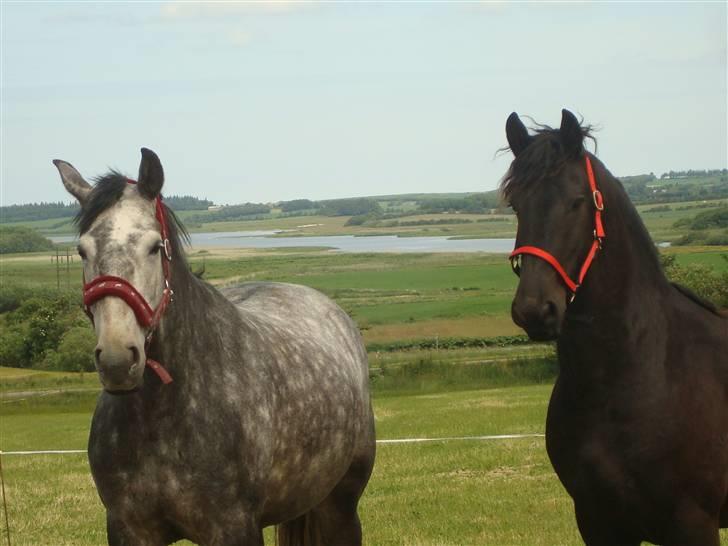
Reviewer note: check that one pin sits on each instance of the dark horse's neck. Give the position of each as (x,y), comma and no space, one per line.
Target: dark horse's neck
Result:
(617,311)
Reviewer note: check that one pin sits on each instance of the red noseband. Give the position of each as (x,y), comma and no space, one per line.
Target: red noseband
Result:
(598,234)
(108,285)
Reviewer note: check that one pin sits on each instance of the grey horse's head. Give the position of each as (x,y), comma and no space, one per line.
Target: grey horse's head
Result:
(120,236)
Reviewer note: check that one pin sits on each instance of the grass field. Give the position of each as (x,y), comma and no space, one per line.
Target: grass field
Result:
(441,493)
(459,492)
(391,296)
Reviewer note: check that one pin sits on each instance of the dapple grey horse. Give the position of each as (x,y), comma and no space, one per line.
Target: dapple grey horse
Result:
(222,412)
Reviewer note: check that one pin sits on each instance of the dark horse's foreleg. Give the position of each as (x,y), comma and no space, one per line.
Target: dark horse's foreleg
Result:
(599,527)
(692,526)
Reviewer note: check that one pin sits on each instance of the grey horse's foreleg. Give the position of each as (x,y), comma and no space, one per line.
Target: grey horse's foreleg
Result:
(120,533)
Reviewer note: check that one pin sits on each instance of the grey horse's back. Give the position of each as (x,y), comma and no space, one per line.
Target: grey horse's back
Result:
(298,313)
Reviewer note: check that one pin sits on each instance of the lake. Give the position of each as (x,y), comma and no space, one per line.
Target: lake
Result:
(342,243)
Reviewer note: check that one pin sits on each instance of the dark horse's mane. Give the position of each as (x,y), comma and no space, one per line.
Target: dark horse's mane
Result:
(545,157)
(107,190)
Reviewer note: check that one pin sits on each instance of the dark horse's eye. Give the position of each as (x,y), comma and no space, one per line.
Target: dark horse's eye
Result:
(577,203)
(81,252)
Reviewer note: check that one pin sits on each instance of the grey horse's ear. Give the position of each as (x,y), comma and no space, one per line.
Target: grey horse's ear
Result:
(73,181)
(151,174)
(517,134)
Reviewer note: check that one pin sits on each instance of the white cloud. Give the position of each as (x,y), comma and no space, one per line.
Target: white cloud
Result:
(223,8)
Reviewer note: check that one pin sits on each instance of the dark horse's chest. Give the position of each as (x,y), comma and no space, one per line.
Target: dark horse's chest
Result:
(640,452)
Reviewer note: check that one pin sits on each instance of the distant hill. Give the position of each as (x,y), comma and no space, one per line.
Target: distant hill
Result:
(48,211)
(690,185)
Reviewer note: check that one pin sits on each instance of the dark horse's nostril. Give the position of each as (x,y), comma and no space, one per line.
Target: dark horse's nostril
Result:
(549,311)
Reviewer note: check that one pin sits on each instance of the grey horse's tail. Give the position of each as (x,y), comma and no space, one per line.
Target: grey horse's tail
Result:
(302,531)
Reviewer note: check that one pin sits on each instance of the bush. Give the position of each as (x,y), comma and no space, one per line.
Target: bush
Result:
(699,278)
(297,204)
(12,347)
(22,239)
(718,239)
(705,220)
(75,351)
(357,206)
(36,325)
(711,219)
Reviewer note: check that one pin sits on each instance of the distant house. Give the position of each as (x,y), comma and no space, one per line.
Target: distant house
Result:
(214,208)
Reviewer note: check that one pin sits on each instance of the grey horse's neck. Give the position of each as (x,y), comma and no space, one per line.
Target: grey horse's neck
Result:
(187,335)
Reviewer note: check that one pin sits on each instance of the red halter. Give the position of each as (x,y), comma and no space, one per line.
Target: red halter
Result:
(598,233)
(109,285)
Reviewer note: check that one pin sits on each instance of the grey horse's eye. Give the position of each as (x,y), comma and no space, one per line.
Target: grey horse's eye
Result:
(81,252)
(156,248)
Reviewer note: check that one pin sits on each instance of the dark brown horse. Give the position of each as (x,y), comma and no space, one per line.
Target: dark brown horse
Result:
(637,427)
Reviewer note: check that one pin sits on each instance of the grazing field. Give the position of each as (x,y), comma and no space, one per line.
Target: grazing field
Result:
(444,492)
(457,492)
(390,296)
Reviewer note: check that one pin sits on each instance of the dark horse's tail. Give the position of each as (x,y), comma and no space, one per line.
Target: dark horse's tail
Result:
(302,531)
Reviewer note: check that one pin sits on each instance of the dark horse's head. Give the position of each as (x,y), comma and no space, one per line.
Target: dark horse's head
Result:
(548,188)
(120,238)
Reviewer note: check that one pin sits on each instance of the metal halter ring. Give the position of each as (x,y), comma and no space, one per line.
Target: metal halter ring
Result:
(598,200)
(167,249)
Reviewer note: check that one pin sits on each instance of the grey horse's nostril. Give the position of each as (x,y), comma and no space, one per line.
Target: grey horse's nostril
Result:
(134,354)
(97,356)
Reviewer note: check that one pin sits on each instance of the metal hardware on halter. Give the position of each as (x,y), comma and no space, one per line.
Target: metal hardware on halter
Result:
(516,264)
(598,200)
(167,249)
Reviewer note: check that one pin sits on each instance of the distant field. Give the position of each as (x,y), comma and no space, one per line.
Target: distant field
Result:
(390,296)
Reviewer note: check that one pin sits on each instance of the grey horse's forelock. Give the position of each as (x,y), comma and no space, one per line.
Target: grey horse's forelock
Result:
(107,191)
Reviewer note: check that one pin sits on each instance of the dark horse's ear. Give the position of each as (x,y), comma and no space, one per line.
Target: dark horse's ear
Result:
(151,174)
(517,134)
(73,181)
(571,134)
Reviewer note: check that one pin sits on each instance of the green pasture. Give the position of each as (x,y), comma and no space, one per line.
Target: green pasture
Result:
(444,295)
(444,492)
(457,492)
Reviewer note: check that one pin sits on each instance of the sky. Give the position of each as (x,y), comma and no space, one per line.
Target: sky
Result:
(267,101)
